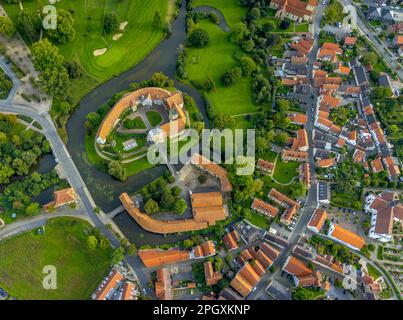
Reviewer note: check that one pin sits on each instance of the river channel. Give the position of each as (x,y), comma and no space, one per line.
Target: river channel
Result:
(104,189)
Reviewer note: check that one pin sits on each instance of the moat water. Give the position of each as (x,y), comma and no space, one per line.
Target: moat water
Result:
(104,189)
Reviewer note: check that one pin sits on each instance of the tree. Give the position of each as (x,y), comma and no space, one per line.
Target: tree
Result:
(116,170)
(118,255)
(240,30)
(53,75)
(64,32)
(198,38)
(369,58)
(281,138)
(7,27)
(285,24)
(74,69)
(214,18)
(202,178)
(29,25)
(180,206)
(103,242)
(231,76)
(248,45)
(151,206)
(223,121)
(247,65)
(188,243)
(218,264)
(209,85)
(131,250)
(92,242)
(262,145)
(254,14)
(32,209)
(268,26)
(167,199)
(157,21)
(5,173)
(111,22)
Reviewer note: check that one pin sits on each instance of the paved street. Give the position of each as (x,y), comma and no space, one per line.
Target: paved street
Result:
(378,45)
(68,168)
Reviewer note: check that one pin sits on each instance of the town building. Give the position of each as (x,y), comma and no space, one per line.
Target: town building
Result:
(265,166)
(214,169)
(231,240)
(246,279)
(61,198)
(108,286)
(211,276)
(317,220)
(206,249)
(323,194)
(158,257)
(346,237)
(294,9)
(305,174)
(291,155)
(163,285)
(172,101)
(302,275)
(384,208)
(264,208)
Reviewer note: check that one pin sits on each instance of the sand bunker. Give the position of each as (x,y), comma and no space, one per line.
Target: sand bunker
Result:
(117,36)
(100,52)
(123,25)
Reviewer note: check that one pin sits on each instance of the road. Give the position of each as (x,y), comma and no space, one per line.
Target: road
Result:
(70,171)
(378,44)
(310,203)
(21,226)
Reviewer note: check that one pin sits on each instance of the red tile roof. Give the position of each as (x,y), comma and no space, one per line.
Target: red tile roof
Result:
(213,169)
(348,237)
(111,282)
(318,219)
(158,257)
(264,207)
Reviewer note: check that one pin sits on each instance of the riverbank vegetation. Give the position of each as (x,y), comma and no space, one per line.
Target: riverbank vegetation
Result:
(63,245)
(20,152)
(84,28)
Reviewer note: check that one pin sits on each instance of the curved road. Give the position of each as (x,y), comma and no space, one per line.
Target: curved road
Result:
(222,24)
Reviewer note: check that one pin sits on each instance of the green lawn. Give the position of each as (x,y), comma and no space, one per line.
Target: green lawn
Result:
(154,117)
(373,272)
(136,123)
(213,61)
(231,9)
(268,156)
(258,220)
(285,171)
(139,37)
(79,269)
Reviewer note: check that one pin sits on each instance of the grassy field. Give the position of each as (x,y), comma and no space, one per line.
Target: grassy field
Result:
(268,156)
(154,118)
(93,158)
(139,36)
(79,269)
(285,171)
(213,61)
(258,220)
(231,9)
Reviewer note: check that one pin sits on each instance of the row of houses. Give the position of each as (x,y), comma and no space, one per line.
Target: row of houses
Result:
(290,206)
(115,287)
